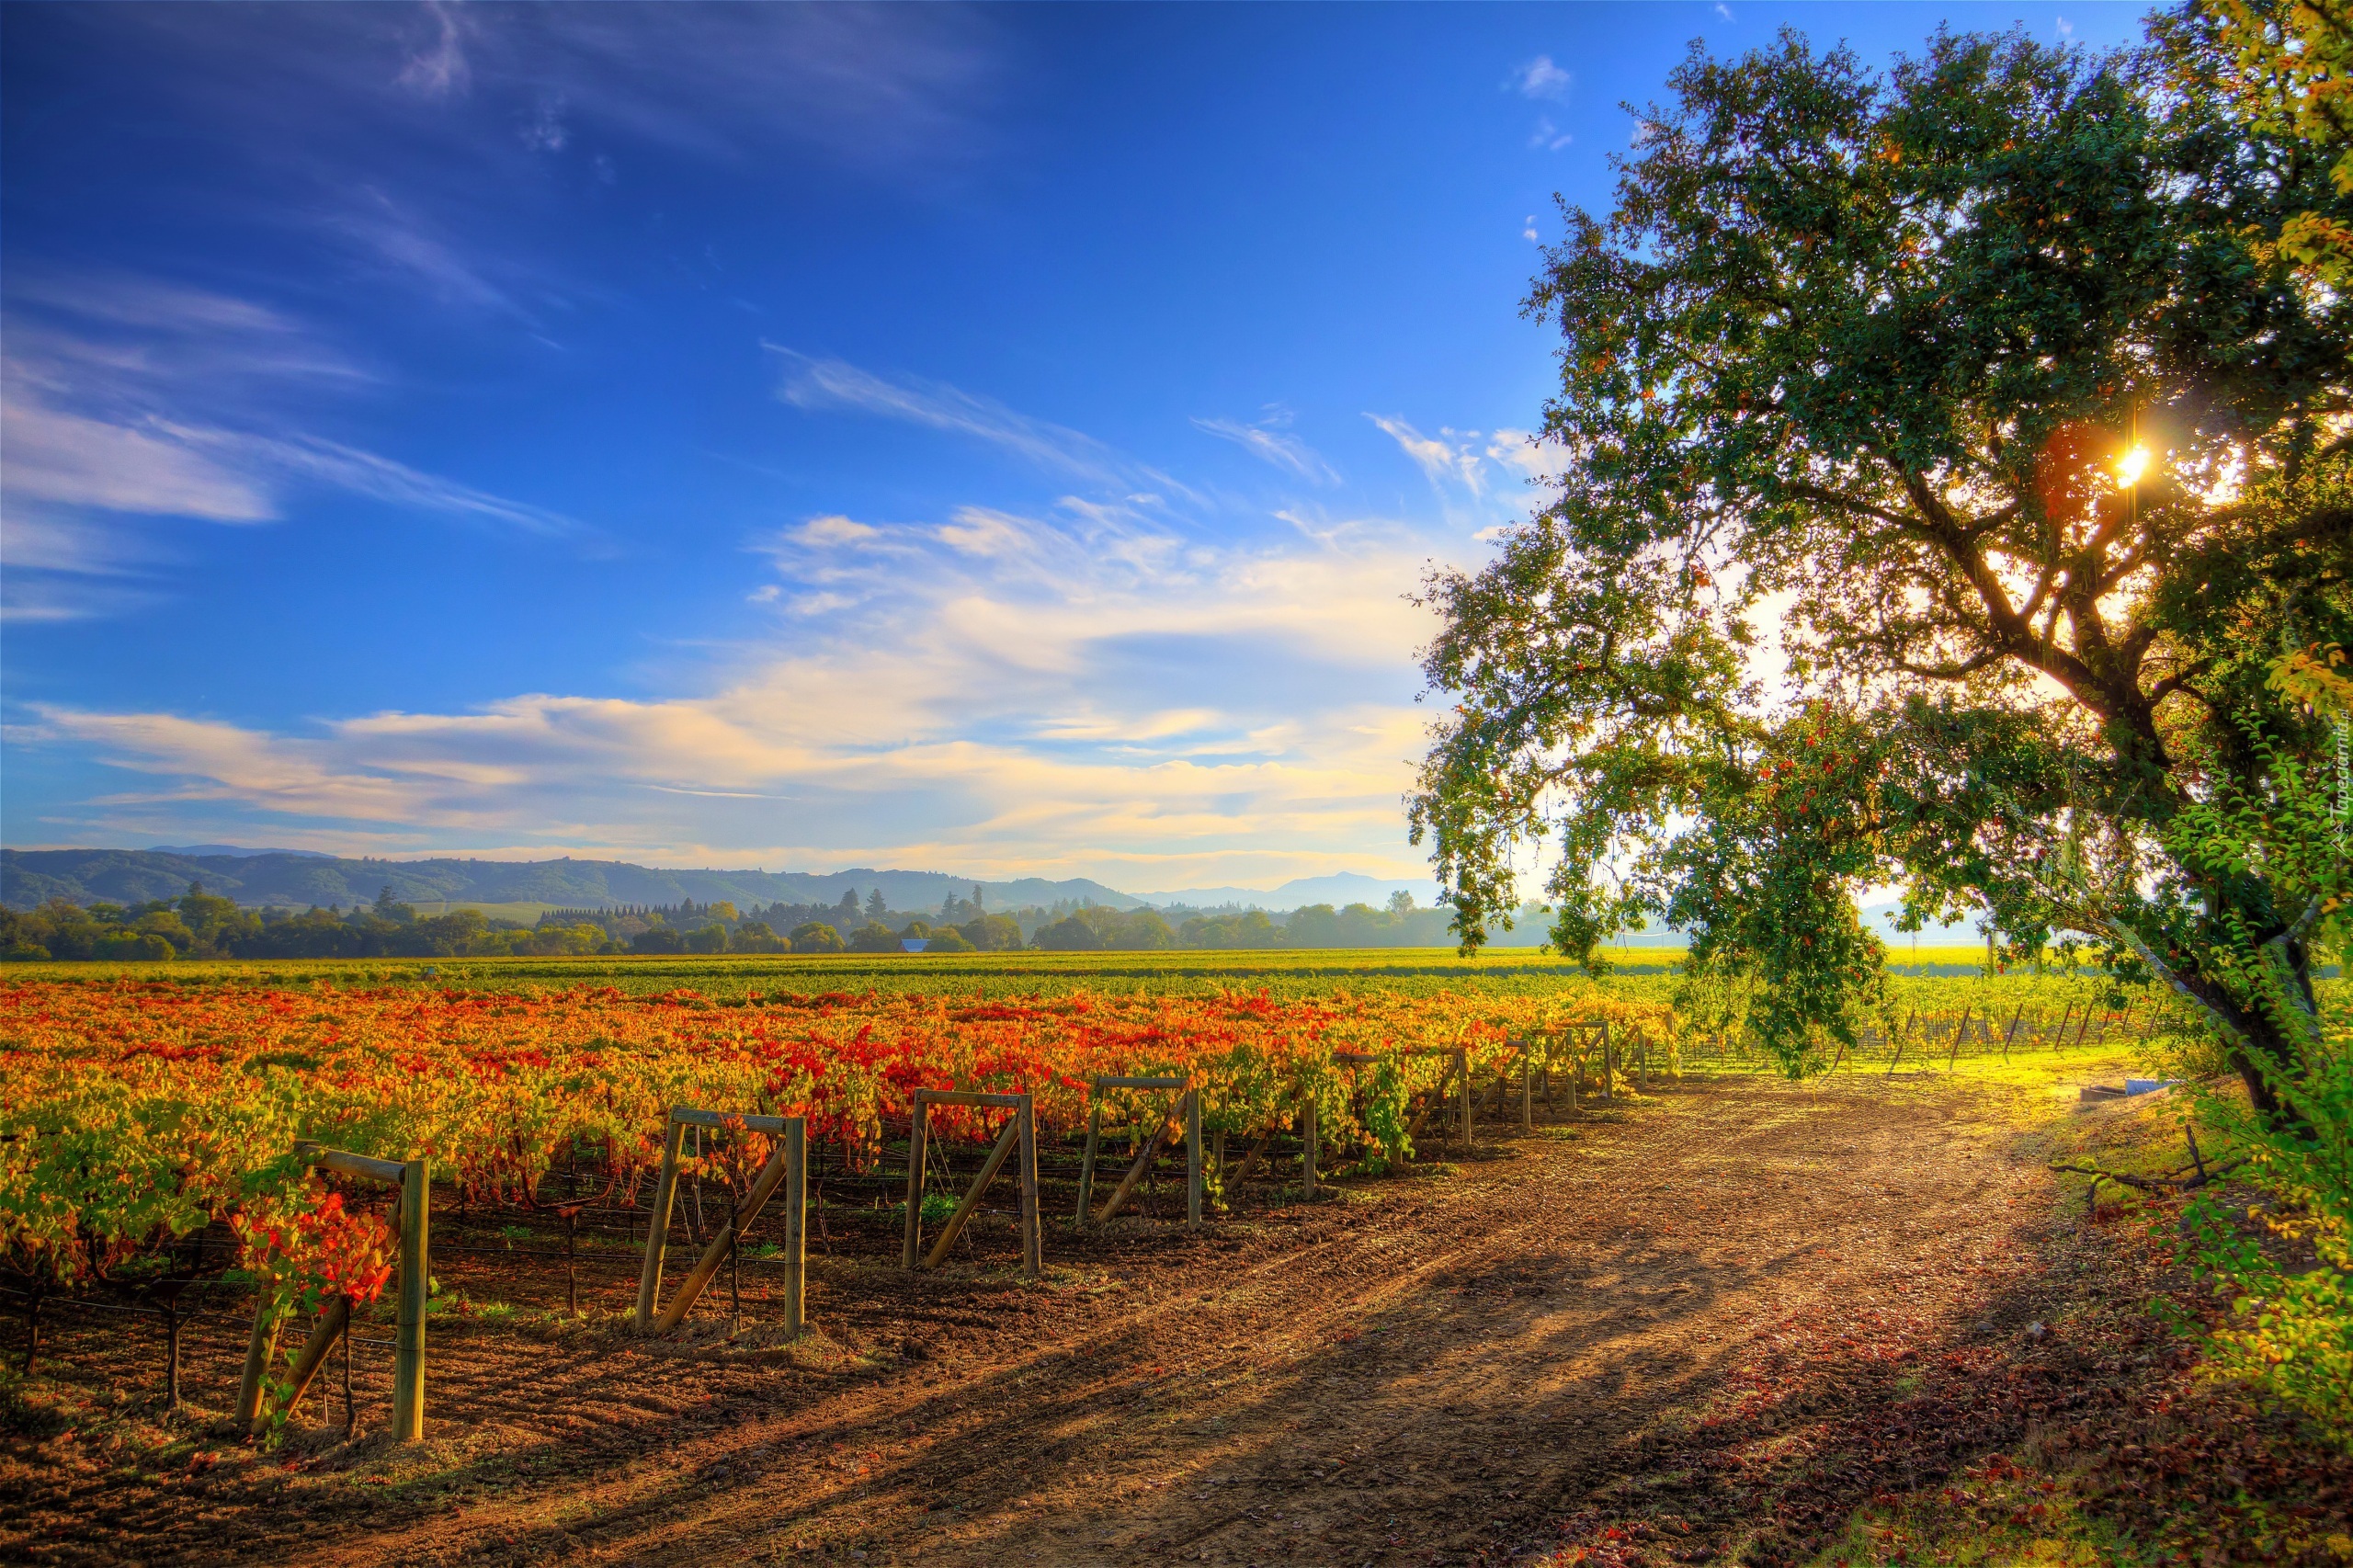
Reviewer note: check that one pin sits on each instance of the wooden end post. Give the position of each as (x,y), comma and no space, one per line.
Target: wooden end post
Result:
(1087,1164)
(1959,1035)
(1033,1249)
(916,1154)
(416,1279)
(1609,1064)
(657,1225)
(1527,1090)
(1462,1095)
(1307,1147)
(1193,1158)
(172,1350)
(796,1224)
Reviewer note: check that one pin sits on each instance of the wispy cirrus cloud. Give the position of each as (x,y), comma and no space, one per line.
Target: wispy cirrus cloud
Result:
(126,401)
(438,68)
(1466,458)
(1271,440)
(817,385)
(393,237)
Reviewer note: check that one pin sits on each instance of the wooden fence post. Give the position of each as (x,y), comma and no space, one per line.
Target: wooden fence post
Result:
(416,1277)
(1033,1251)
(1193,1159)
(1608,1064)
(1462,1094)
(916,1154)
(796,1224)
(1527,1090)
(1307,1147)
(1087,1166)
(657,1225)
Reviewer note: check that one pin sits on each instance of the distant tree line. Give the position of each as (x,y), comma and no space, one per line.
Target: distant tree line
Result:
(202,925)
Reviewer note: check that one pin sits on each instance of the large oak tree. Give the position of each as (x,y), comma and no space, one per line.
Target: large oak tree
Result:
(1948,456)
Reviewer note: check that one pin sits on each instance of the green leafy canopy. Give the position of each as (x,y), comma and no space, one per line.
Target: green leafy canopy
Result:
(1947,455)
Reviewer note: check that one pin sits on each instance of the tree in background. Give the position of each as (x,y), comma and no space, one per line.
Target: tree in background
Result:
(816,937)
(758,936)
(1068,935)
(992,932)
(876,908)
(1989,378)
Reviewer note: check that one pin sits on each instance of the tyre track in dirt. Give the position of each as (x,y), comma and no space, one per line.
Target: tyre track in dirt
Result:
(1439,1369)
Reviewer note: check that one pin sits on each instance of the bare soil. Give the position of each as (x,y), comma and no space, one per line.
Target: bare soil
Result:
(1712,1325)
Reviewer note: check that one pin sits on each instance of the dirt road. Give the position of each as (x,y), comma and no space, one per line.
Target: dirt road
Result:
(1706,1327)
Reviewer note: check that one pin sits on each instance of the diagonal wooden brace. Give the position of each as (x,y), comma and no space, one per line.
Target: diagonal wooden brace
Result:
(1233,1184)
(332,1323)
(1143,1160)
(692,1288)
(1005,1142)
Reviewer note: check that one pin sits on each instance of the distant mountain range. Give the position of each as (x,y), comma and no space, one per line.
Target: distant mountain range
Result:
(1340,891)
(298,880)
(232,851)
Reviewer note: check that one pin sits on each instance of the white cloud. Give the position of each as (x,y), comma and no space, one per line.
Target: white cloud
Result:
(545,131)
(835,530)
(1549,137)
(2066,28)
(1080,693)
(1444,457)
(814,383)
(1724,10)
(360,473)
(136,399)
(1540,79)
(51,455)
(1468,461)
(1269,440)
(1529,231)
(395,235)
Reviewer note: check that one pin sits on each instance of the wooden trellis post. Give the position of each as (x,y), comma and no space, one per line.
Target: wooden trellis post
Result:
(1463,1093)
(1020,1134)
(786,1167)
(1307,1139)
(413,1179)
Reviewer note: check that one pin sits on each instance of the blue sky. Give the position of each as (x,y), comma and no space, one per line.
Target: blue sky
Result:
(994,441)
